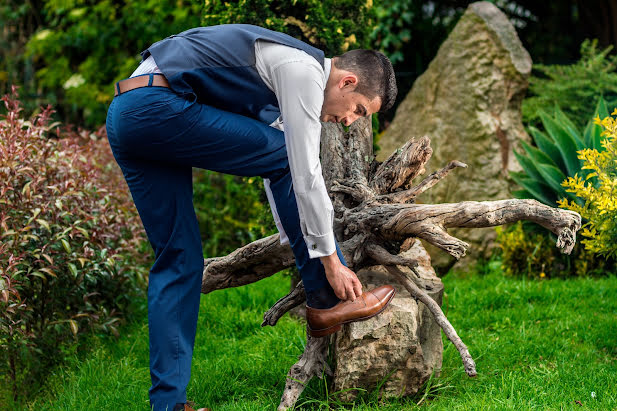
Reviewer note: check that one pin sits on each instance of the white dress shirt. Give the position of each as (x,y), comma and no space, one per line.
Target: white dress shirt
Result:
(298,81)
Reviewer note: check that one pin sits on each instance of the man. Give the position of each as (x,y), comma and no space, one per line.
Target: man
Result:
(219,98)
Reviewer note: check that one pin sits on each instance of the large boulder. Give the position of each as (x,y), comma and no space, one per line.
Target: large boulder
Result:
(400,347)
(468,102)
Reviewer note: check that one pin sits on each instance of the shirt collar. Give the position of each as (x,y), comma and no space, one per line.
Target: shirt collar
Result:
(326,68)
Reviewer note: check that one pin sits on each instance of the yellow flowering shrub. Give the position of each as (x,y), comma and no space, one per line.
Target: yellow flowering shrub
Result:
(598,190)
(529,250)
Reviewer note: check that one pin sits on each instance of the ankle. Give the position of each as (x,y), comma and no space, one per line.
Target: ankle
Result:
(322,298)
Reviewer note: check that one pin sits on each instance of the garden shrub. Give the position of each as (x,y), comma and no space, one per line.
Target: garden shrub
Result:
(72,243)
(232,211)
(576,171)
(598,190)
(575,87)
(555,157)
(529,250)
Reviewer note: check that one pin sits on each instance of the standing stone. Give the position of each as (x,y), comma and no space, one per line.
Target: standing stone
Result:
(468,103)
(401,347)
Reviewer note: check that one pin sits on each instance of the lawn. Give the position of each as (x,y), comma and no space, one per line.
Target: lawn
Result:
(549,344)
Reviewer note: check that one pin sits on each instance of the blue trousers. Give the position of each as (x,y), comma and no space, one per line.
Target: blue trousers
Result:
(157,137)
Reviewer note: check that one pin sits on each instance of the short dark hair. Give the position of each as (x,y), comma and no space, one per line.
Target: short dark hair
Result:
(375,74)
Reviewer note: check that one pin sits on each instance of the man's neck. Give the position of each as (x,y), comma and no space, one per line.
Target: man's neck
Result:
(327,68)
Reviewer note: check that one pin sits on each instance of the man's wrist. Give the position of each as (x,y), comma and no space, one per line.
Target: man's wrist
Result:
(330,261)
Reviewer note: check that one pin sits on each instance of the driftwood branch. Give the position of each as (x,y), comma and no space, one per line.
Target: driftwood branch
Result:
(312,363)
(409,195)
(291,300)
(253,262)
(381,256)
(358,191)
(429,221)
(402,166)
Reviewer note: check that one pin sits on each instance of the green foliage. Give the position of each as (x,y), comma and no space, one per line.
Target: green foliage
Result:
(392,32)
(530,251)
(232,211)
(70,251)
(598,192)
(85,46)
(554,158)
(17,23)
(574,87)
(333,26)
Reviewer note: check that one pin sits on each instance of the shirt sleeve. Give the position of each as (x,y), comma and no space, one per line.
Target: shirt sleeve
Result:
(299,88)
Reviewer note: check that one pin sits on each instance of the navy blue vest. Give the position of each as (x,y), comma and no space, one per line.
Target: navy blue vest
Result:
(216,65)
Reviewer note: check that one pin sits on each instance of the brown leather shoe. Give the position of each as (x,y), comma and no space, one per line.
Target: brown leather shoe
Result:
(188,408)
(325,321)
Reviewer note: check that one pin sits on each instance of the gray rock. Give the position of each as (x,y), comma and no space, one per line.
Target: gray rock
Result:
(396,350)
(468,103)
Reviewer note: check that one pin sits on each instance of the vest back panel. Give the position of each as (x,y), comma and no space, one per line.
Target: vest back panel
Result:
(216,66)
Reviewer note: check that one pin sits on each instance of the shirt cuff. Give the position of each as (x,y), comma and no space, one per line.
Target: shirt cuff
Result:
(321,246)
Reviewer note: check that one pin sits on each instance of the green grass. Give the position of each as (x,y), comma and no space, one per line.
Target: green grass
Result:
(537,345)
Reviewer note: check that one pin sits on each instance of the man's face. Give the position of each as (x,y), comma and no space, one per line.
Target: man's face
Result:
(343,105)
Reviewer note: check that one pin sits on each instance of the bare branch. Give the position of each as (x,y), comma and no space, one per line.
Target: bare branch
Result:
(358,190)
(253,262)
(402,166)
(312,363)
(428,182)
(382,256)
(291,300)
(437,235)
(428,221)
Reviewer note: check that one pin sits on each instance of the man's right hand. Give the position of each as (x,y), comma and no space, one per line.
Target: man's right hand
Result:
(344,282)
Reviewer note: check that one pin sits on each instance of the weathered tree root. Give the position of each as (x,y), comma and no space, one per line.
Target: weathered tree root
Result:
(312,363)
(291,300)
(253,262)
(390,261)
(410,194)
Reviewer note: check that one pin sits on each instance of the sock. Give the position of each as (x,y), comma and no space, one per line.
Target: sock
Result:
(323,297)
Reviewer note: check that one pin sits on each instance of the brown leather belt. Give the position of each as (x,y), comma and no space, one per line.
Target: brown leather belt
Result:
(154,79)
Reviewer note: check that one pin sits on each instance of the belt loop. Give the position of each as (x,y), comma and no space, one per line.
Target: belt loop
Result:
(150,81)
(118,88)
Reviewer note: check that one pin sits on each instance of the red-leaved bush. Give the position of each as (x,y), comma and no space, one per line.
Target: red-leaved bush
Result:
(71,242)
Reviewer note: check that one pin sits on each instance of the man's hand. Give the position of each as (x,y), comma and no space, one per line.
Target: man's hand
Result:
(344,281)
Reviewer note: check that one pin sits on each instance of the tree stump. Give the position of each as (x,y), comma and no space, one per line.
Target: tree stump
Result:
(376,220)
(397,351)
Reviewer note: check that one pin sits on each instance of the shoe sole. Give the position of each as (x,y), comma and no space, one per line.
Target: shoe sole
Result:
(322,332)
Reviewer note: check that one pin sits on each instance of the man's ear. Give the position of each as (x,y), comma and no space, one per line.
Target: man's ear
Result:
(349,80)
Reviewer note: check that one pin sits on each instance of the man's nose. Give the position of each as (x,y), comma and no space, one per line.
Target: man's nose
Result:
(350,119)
